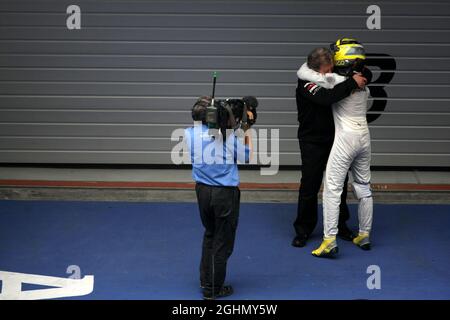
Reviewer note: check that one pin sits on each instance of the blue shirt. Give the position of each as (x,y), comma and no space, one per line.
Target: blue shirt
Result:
(214,161)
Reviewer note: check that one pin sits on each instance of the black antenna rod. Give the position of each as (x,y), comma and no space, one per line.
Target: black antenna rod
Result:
(214,84)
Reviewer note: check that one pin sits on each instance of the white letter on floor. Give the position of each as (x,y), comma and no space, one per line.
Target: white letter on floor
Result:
(374,280)
(12,286)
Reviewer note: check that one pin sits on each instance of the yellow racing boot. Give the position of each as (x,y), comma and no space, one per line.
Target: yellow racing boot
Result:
(362,241)
(327,249)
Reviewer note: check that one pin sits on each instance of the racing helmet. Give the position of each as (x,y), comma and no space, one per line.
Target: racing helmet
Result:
(348,55)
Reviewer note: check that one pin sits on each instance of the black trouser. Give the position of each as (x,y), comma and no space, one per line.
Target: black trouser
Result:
(314,161)
(219,211)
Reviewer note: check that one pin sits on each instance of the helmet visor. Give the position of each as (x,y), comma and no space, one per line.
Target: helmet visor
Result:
(356,51)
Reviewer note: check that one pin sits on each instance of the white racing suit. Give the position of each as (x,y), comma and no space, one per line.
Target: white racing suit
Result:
(351,149)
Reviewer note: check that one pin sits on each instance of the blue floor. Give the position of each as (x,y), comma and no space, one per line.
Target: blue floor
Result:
(152,250)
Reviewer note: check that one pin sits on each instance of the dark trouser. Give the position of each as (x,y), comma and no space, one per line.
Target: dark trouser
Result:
(314,161)
(219,211)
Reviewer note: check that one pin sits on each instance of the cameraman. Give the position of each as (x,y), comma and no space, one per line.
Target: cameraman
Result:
(218,194)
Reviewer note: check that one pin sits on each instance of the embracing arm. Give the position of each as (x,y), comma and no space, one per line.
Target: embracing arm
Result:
(367,74)
(325,97)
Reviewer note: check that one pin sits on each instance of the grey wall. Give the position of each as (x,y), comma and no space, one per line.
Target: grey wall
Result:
(113,91)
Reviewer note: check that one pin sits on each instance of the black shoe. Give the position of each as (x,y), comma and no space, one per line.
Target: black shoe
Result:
(300,241)
(345,233)
(225,291)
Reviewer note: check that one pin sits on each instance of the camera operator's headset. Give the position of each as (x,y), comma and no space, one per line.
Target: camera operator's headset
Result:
(348,56)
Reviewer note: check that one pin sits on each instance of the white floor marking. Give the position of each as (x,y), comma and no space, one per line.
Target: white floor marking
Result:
(12,286)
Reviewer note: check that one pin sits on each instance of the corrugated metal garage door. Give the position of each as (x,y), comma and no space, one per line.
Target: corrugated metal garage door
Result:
(113,91)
